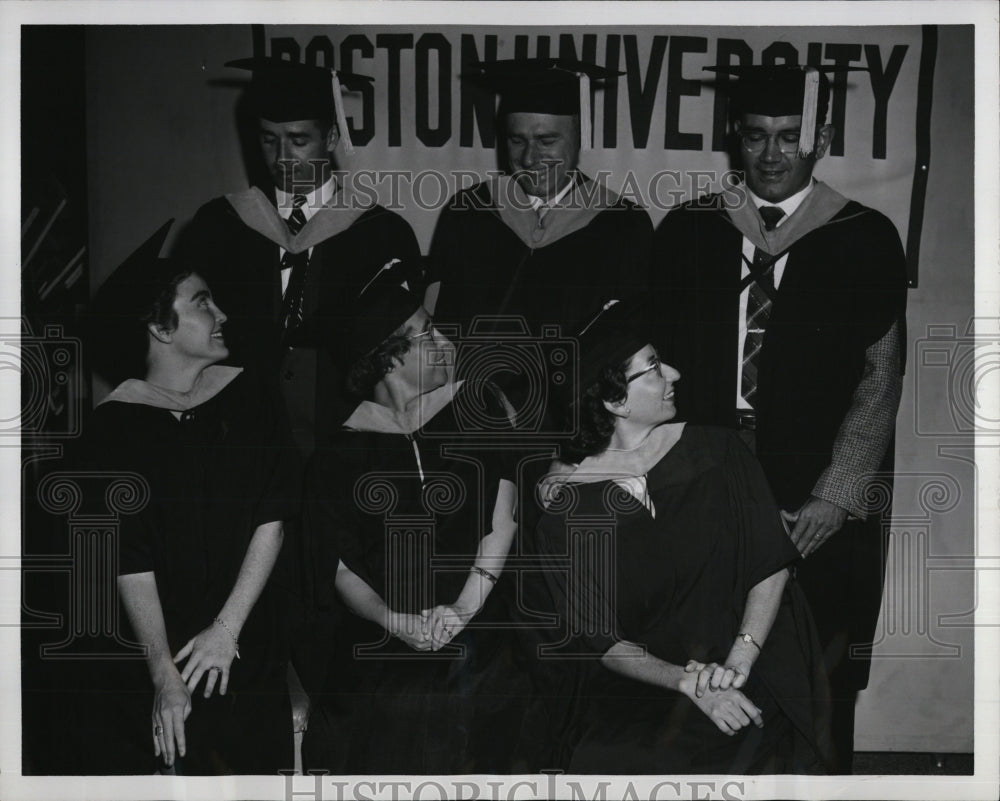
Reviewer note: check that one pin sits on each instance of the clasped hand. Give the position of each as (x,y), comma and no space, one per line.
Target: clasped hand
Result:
(813,524)
(210,651)
(724,704)
(431,629)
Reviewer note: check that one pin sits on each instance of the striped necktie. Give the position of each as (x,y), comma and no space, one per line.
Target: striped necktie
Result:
(291,305)
(759,302)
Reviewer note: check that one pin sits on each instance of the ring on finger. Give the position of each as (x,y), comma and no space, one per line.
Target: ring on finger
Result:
(157,731)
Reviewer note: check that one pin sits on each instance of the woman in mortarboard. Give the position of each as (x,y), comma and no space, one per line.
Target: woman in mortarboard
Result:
(671,561)
(415,518)
(195,565)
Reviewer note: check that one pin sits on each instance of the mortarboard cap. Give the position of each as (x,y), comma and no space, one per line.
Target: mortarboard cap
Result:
(610,338)
(115,320)
(542,86)
(382,306)
(781,90)
(284,91)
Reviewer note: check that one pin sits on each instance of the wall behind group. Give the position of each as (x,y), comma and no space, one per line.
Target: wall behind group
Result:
(162,140)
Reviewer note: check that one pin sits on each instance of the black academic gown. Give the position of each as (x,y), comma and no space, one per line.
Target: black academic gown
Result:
(843,286)
(233,243)
(677,584)
(225,467)
(406,512)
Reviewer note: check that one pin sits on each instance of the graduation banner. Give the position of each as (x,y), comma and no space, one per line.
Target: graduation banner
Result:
(658,132)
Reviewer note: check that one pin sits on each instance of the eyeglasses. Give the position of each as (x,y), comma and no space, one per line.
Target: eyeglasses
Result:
(756,141)
(656,366)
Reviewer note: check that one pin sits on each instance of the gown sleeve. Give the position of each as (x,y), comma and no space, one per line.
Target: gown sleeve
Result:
(765,547)
(573,577)
(280,471)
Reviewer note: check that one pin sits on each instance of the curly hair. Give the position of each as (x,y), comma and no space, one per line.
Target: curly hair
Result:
(371,368)
(597,424)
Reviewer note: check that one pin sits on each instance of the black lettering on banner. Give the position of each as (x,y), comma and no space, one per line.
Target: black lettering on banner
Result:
(361,44)
(436,42)
(319,52)
(542,47)
(642,95)
(677,87)
(612,53)
(842,55)
(725,49)
(780,53)
(394,44)
(814,54)
(883,79)
(477,106)
(285,47)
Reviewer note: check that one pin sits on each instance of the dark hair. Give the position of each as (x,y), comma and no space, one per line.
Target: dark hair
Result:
(597,424)
(162,313)
(371,368)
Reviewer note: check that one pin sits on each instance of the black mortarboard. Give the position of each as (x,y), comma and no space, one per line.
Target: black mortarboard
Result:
(283,91)
(781,90)
(610,338)
(353,330)
(115,323)
(542,86)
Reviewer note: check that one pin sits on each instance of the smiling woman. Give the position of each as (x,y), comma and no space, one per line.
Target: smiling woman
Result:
(195,566)
(694,629)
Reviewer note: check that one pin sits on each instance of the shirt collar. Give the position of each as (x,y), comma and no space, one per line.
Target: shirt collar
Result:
(315,199)
(789,204)
(537,202)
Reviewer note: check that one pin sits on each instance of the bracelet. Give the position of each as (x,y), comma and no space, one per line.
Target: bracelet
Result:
(747,638)
(229,631)
(484,573)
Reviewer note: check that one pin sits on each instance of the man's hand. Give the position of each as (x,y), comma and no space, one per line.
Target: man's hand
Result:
(210,652)
(171,707)
(814,524)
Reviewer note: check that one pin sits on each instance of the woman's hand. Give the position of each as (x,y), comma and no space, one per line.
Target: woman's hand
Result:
(446,623)
(730,710)
(171,707)
(414,630)
(714,676)
(211,651)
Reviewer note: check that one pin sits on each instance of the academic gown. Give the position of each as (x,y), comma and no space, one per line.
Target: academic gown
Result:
(234,242)
(676,584)
(405,511)
(843,287)
(214,475)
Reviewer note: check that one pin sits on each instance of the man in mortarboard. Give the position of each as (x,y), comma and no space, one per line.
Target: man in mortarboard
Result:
(273,254)
(544,243)
(784,308)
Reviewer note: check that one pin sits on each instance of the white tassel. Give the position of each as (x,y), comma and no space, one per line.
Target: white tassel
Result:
(810,101)
(338,106)
(586,136)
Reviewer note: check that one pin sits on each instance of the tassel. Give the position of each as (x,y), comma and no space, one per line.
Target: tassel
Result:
(338,106)
(586,137)
(810,99)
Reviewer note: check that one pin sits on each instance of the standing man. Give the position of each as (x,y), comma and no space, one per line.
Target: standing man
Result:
(784,312)
(543,244)
(275,254)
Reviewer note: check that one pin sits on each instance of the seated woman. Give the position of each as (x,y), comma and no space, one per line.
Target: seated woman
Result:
(195,565)
(671,561)
(416,521)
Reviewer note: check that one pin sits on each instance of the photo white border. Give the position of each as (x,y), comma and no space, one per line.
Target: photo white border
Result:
(983,784)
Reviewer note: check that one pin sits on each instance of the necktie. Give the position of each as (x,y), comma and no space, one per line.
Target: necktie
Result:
(759,301)
(291,305)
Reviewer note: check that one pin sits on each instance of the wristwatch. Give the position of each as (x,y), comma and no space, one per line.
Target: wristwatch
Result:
(748,639)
